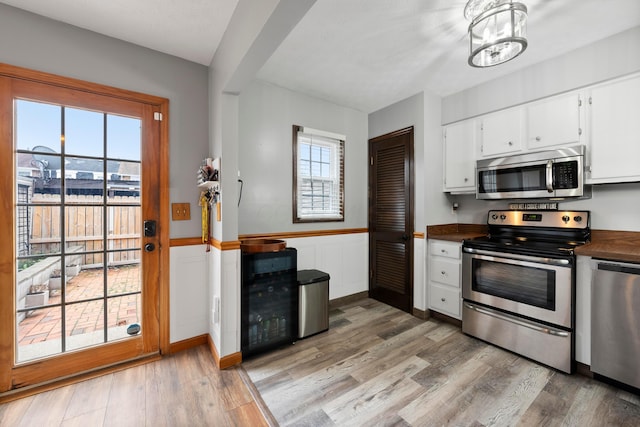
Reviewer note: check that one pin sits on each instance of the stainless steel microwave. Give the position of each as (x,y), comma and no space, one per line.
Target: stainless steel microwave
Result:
(541,175)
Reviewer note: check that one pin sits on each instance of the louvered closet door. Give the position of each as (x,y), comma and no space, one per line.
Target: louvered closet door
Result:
(391,219)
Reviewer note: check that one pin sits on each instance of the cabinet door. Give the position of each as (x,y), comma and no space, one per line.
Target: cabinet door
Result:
(459,157)
(614,118)
(501,132)
(554,121)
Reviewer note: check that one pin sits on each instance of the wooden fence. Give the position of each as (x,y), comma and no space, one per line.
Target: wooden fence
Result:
(83,225)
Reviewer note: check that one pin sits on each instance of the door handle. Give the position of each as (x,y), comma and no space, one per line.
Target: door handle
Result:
(549,176)
(149,247)
(522,322)
(405,237)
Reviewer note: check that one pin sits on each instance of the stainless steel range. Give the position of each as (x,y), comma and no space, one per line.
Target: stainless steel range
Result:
(518,283)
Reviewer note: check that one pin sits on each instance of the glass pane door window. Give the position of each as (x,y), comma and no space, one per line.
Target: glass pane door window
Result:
(78,228)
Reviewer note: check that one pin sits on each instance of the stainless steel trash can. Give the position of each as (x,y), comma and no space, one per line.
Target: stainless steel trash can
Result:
(313,302)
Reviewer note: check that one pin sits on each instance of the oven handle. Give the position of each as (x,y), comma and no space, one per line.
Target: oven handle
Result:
(539,260)
(549,176)
(517,321)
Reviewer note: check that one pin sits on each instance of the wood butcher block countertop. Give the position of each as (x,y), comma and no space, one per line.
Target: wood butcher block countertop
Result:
(612,245)
(456,232)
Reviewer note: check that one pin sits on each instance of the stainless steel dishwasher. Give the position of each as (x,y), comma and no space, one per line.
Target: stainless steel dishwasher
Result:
(615,322)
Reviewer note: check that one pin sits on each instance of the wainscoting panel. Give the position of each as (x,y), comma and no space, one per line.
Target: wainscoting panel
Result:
(189,300)
(343,256)
(419,273)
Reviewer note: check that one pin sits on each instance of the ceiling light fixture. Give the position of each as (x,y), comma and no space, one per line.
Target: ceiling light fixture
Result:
(498,31)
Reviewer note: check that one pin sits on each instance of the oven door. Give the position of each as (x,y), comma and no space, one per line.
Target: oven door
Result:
(535,287)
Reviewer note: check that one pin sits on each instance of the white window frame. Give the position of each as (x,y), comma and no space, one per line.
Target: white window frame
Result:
(317,198)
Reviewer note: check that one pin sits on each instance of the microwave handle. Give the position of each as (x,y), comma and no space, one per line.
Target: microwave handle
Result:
(549,176)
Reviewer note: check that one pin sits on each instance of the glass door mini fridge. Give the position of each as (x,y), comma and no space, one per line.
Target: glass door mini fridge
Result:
(269,300)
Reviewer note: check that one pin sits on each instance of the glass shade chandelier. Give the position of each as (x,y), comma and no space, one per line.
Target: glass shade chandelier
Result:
(497,33)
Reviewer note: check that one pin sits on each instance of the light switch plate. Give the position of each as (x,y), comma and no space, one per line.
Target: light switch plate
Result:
(180,211)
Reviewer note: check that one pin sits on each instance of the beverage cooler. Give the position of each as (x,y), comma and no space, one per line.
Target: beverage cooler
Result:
(269,300)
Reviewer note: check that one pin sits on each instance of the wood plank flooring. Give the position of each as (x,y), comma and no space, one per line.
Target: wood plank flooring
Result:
(376,366)
(185,389)
(379,366)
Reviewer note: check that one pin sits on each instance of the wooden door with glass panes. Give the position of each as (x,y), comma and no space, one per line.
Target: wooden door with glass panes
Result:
(81,273)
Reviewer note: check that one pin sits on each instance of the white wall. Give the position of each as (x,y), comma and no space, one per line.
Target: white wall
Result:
(188,297)
(402,114)
(31,41)
(344,257)
(38,43)
(267,115)
(613,206)
(612,57)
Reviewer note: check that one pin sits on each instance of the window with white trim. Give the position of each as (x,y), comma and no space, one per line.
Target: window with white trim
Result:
(318,175)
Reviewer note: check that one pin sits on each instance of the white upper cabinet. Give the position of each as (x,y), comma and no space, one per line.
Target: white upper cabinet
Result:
(614,131)
(605,118)
(501,132)
(459,157)
(554,122)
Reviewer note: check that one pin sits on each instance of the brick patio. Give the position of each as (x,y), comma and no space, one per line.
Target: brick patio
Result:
(83,318)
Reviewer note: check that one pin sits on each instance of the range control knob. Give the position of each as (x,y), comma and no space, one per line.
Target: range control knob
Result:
(503,217)
(566,218)
(577,218)
(494,216)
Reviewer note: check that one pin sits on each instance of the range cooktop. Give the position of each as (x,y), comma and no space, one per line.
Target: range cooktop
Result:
(542,233)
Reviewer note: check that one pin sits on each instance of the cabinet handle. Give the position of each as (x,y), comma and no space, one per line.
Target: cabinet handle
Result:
(443,299)
(510,143)
(538,138)
(443,273)
(466,179)
(443,251)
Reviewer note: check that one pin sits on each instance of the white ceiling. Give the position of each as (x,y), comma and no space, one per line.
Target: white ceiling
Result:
(364,54)
(189,29)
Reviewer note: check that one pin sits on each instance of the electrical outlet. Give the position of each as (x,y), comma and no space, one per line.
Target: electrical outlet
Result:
(180,211)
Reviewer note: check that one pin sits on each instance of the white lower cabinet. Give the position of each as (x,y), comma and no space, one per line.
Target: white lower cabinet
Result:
(444,264)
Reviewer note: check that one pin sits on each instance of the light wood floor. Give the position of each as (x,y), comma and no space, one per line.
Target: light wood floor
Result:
(185,389)
(379,366)
(376,366)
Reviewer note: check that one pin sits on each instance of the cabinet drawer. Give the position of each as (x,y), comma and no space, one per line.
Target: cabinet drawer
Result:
(445,300)
(445,249)
(445,271)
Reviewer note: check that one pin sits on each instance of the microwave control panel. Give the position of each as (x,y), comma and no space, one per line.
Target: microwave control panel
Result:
(565,175)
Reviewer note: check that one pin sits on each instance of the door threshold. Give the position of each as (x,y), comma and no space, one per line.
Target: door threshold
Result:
(27,391)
